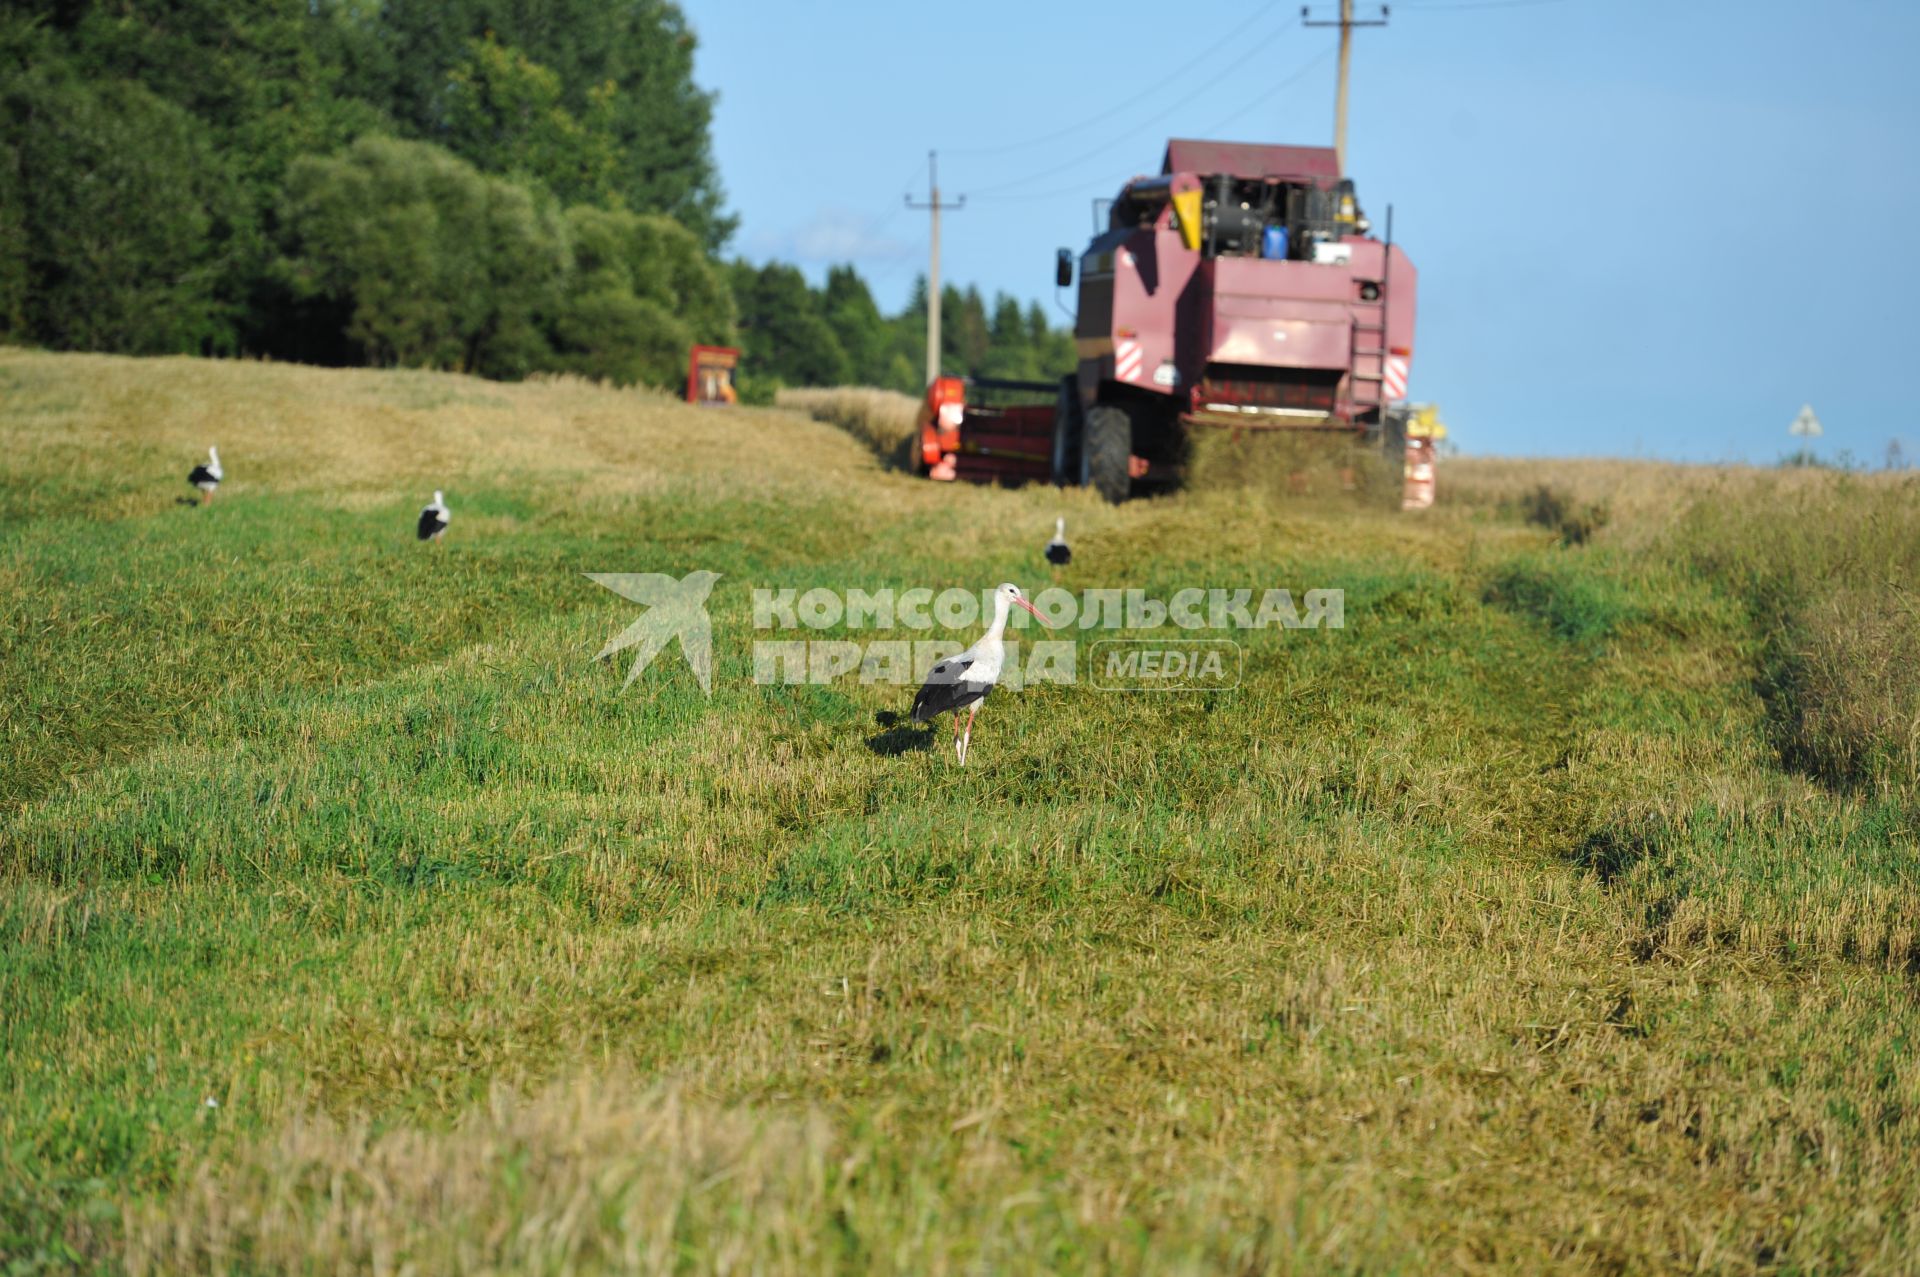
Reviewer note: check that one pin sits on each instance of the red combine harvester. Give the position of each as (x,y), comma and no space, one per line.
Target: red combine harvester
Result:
(1241,287)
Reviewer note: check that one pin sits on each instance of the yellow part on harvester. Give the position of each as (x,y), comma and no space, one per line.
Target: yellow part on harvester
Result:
(1186,211)
(1425,423)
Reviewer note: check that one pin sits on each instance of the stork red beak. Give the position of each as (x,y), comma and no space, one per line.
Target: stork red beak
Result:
(1036,612)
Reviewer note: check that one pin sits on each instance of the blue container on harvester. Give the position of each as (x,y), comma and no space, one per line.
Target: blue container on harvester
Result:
(1273,242)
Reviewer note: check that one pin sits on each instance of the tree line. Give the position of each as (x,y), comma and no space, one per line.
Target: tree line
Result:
(494,186)
(836,334)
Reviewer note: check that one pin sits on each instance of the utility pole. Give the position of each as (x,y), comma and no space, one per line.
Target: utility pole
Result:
(933,207)
(1346,25)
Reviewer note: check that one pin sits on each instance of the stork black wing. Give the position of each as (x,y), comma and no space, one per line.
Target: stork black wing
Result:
(430,524)
(1058,554)
(201,475)
(944,690)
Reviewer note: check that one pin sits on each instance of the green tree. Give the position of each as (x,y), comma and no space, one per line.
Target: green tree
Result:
(16,273)
(505,113)
(904,375)
(434,263)
(850,310)
(782,333)
(964,335)
(685,278)
(908,337)
(623,69)
(1009,352)
(260,79)
(640,292)
(1013,343)
(1053,349)
(148,149)
(111,197)
(612,334)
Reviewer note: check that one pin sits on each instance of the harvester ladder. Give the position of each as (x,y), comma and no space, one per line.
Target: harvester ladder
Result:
(1367,373)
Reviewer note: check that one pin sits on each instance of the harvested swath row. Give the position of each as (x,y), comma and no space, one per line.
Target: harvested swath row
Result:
(883,420)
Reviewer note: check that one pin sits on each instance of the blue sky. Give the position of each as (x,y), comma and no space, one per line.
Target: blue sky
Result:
(1643,227)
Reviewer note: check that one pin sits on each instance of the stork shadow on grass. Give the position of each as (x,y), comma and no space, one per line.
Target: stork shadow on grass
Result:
(900,736)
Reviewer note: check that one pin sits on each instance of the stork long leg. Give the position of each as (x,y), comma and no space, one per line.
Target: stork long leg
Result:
(966,736)
(957,751)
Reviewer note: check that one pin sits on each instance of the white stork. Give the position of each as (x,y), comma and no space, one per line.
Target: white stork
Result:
(207,475)
(1057,552)
(434,517)
(963,680)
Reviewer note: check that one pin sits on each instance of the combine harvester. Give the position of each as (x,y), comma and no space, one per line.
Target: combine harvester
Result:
(1240,288)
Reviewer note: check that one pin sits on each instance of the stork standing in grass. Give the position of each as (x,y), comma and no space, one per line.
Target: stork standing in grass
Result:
(963,680)
(207,475)
(1057,552)
(434,517)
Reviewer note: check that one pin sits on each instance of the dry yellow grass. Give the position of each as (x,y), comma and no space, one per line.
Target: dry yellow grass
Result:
(357,435)
(1644,498)
(881,419)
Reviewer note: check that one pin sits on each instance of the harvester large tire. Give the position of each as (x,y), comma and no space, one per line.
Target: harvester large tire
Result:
(1109,443)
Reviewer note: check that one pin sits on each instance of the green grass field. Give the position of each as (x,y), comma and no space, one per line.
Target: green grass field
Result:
(1562,910)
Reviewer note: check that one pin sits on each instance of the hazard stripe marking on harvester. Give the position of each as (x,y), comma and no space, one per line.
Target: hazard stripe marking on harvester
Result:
(1396,378)
(1127,359)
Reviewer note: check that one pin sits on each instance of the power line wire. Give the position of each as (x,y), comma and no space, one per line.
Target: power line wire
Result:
(1008,192)
(1276,90)
(1405,6)
(1106,116)
(1000,193)
(881,221)
(1287,82)
(1132,136)
(888,269)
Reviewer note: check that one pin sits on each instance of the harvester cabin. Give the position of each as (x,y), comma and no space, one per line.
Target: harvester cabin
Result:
(1276,202)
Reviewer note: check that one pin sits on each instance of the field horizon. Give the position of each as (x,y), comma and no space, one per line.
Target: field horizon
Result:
(1558,911)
